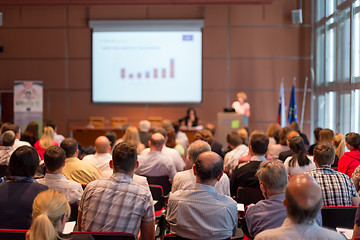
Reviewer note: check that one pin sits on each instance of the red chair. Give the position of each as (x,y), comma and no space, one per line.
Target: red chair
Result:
(13,234)
(338,216)
(107,235)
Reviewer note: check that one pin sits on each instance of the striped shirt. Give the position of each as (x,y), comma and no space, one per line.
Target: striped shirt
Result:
(337,188)
(117,204)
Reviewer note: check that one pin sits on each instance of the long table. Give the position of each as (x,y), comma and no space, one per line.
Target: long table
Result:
(86,136)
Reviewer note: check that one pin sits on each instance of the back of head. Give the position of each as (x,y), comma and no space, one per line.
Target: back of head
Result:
(51,123)
(272,128)
(171,141)
(54,158)
(324,154)
(111,135)
(161,131)
(32,128)
(276,136)
(259,144)
(204,135)
(353,139)
(9,126)
(23,162)
(167,124)
(124,157)
(70,146)
(244,134)
(210,127)
(317,133)
(234,139)
(339,144)
(157,141)
(292,134)
(326,135)
(283,135)
(295,126)
(144,125)
(47,138)
(49,207)
(8,138)
(298,149)
(303,199)
(208,166)
(196,148)
(273,175)
(102,144)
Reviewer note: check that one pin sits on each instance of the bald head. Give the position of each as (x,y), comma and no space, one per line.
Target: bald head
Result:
(156,142)
(102,145)
(208,167)
(303,198)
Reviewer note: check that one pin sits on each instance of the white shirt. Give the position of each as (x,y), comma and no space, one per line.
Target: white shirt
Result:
(71,189)
(19,143)
(186,181)
(231,159)
(58,138)
(275,149)
(174,156)
(296,169)
(241,109)
(101,160)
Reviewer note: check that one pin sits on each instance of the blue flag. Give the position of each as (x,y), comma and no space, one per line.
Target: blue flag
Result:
(292,115)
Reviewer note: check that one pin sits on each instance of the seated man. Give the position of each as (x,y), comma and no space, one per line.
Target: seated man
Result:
(15,128)
(337,188)
(118,204)
(244,174)
(202,213)
(269,213)
(54,158)
(154,162)
(186,180)
(6,148)
(238,150)
(102,156)
(303,202)
(75,169)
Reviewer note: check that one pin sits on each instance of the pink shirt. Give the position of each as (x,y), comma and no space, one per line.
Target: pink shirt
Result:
(41,150)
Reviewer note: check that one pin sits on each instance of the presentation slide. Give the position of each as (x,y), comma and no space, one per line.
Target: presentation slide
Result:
(147,67)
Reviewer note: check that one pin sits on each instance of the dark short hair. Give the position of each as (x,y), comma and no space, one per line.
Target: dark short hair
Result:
(298,214)
(259,143)
(283,135)
(23,162)
(111,135)
(326,135)
(8,138)
(9,126)
(54,158)
(324,153)
(124,157)
(204,135)
(317,133)
(206,174)
(70,146)
(353,139)
(234,139)
(51,123)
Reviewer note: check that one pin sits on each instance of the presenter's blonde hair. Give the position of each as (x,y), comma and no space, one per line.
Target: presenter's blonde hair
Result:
(49,208)
(242,95)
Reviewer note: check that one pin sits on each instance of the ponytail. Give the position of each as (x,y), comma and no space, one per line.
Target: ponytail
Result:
(42,229)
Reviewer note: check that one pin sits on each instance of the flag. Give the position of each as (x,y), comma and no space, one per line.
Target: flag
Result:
(292,115)
(281,114)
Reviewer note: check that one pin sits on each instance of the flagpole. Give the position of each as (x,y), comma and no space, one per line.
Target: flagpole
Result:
(303,104)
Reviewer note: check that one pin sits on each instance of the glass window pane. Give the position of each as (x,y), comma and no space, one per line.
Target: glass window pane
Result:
(320,9)
(330,7)
(320,111)
(344,46)
(330,110)
(344,126)
(330,58)
(320,48)
(356,42)
(355,111)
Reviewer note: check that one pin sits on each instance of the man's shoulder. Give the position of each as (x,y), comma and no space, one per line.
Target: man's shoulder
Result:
(88,157)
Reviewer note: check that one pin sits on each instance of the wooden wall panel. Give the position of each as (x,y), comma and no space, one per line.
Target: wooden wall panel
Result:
(117,12)
(176,12)
(78,16)
(215,76)
(216,16)
(215,42)
(79,43)
(80,74)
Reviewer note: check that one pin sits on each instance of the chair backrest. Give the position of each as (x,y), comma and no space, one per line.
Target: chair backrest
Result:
(107,235)
(173,237)
(247,196)
(74,212)
(157,193)
(3,170)
(338,216)
(118,122)
(13,234)
(155,121)
(163,181)
(97,121)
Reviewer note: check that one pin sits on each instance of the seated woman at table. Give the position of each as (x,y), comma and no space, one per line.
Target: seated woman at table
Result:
(190,120)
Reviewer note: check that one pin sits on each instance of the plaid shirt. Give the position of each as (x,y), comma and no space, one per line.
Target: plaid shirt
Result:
(117,204)
(337,188)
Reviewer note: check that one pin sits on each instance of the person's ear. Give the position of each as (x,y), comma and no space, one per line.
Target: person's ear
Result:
(194,169)
(111,164)
(220,175)
(137,164)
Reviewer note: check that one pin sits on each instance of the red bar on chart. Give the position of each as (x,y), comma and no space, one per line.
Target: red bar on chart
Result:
(171,68)
(163,73)
(147,74)
(131,75)
(155,73)
(139,75)
(122,73)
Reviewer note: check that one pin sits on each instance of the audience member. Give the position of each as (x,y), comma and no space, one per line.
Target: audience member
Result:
(202,213)
(303,202)
(46,141)
(181,137)
(244,133)
(102,156)
(171,143)
(58,137)
(31,133)
(15,128)
(6,148)
(299,162)
(317,138)
(79,171)
(18,192)
(111,135)
(207,136)
(295,126)
(238,150)
(244,175)
(175,157)
(118,204)
(337,188)
(350,160)
(190,120)
(132,136)
(276,149)
(327,135)
(154,162)
(144,133)
(215,146)
(285,154)
(270,132)
(54,158)
(186,180)
(356,232)
(339,145)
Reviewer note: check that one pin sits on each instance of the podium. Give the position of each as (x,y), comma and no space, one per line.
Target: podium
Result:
(229,122)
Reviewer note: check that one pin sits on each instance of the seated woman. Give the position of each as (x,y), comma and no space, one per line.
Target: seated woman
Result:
(47,140)
(18,192)
(299,162)
(30,134)
(132,136)
(190,120)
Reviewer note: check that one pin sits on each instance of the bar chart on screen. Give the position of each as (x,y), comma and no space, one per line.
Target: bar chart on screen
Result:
(166,73)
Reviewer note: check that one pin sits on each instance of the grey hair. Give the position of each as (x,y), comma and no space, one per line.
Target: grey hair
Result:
(8,138)
(196,148)
(272,174)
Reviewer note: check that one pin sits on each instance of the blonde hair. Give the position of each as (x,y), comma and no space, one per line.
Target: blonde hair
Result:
(272,128)
(244,135)
(242,95)
(49,207)
(339,144)
(132,136)
(47,138)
